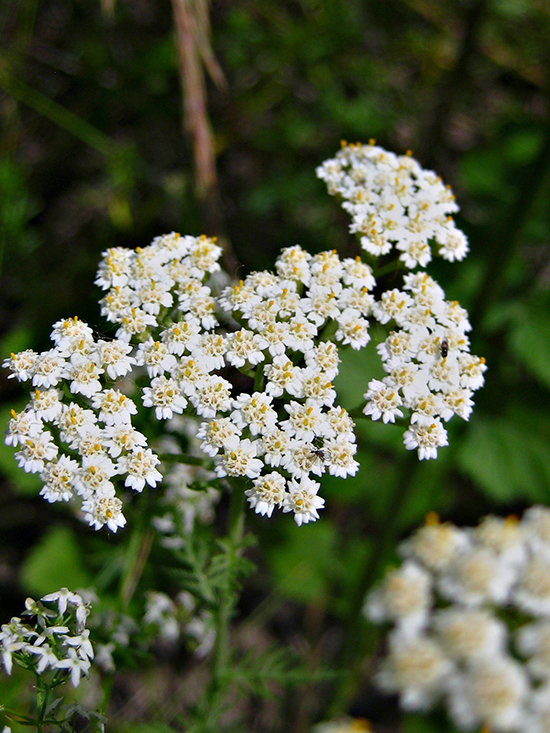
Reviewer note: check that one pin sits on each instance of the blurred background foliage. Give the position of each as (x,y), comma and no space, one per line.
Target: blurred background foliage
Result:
(101,147)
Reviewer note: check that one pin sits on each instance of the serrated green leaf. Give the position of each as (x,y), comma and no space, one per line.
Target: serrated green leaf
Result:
(55,562)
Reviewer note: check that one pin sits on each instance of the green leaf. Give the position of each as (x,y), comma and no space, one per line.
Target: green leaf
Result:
(55,562)
(508,456)
(529,341)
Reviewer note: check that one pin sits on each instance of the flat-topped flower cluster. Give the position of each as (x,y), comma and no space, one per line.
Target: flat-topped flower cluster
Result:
(276,435)
(182,336)
(394,203)
(55,638)
(470,610)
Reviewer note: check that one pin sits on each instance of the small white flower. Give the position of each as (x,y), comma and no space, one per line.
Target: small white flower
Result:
(140,465)
(383,401)
(212,396)
(165,396)
(492,692)
(84,374)
(181,336)
(404,597)
(216,433)
(532,593)
(49,369)
(268,492)
(22,425)
(467,634)
(115,357)
(255,412)
(59,477)
(302,499)
(340,460)
(34,453)
(417,669)
(305,421)
(156,357)
(435,544)
(427,435)
(64,597)
(114,407)
(46,404)
(103,508)
(22,365)
(536,524)
(245,346)
(293,264)
(353,330)
(239,459)
(477,576)
(75,664)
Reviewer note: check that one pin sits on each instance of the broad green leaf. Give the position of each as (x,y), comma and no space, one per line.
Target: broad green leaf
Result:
(55,562)
(529,341)
(508,457)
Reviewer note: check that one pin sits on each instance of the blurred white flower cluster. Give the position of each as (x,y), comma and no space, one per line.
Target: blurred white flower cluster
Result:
(470,610)
(56,637)
(173,618)
(181,336)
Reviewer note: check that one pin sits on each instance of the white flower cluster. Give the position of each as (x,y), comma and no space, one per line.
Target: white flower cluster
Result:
(394,202)
(278,434)
(426,356)
(471,616)
(80,444)
(179,338)
(57,639)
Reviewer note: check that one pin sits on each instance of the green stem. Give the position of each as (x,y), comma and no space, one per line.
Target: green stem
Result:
(224,612)
(138,551)
(42,696)
(353,647)
(259,379)
(390,268)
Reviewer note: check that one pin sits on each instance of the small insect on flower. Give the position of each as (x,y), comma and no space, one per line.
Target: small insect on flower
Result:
(319,453)
(444,348)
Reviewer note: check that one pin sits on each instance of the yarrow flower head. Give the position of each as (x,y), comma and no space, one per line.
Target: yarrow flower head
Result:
(470,611)
(183,333)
